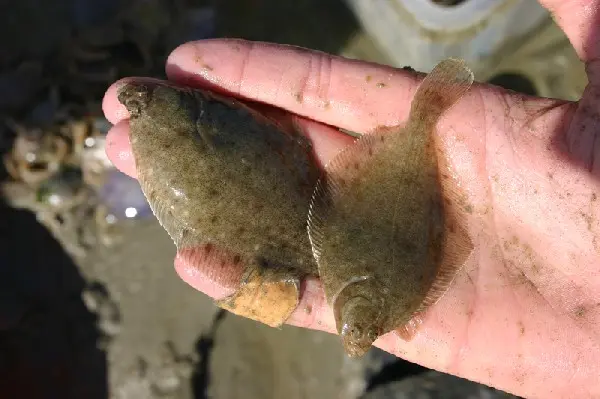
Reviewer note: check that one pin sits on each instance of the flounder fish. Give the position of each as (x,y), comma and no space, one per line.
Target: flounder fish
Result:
(383,224)
(229,181)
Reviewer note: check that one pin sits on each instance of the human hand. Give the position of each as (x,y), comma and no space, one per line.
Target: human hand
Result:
(523,315)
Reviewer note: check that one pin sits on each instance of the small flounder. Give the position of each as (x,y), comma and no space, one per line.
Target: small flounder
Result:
(228,180)
(382,223)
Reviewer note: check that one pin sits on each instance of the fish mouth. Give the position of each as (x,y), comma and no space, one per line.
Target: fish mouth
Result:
(357,339)
(356,348)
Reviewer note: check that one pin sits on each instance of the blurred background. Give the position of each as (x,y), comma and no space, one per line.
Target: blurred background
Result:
(90,306)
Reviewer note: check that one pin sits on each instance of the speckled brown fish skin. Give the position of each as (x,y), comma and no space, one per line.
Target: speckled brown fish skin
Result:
(382,223)
(216,171)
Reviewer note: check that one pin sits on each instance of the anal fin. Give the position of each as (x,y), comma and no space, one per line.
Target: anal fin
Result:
(456,249)
(457,244)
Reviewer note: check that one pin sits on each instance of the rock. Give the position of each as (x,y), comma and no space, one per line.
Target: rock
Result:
(251,360)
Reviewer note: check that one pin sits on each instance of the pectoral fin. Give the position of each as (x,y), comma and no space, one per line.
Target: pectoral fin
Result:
(408,331)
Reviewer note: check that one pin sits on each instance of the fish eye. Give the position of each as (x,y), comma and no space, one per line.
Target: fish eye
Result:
(359,332)
(372,335)
(356,332)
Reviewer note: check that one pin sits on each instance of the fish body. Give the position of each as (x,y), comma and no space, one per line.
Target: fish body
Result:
(218,172)
(381,222)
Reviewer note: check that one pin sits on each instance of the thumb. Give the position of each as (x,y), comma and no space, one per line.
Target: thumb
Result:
(580,20)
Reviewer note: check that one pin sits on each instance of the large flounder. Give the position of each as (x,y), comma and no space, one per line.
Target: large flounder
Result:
(382,221)
(230,182)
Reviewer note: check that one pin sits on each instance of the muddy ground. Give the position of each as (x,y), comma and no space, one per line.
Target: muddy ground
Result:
(123,325)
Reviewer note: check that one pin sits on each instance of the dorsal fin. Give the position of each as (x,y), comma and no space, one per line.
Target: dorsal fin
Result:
(330,186)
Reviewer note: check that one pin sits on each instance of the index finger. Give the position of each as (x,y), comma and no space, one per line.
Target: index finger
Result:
(351,94)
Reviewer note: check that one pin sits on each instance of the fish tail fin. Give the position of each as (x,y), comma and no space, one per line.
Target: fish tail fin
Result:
(440,90)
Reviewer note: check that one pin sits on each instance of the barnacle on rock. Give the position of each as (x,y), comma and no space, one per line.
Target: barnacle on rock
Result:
(57,166)
(51,179)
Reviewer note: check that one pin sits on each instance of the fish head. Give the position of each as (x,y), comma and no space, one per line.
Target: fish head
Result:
(135,97)
(359,323)
(166,106)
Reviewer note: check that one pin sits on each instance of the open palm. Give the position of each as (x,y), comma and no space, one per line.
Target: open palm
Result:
(524,312)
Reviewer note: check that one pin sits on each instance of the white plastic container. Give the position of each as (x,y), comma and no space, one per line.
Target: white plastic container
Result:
(419,33)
